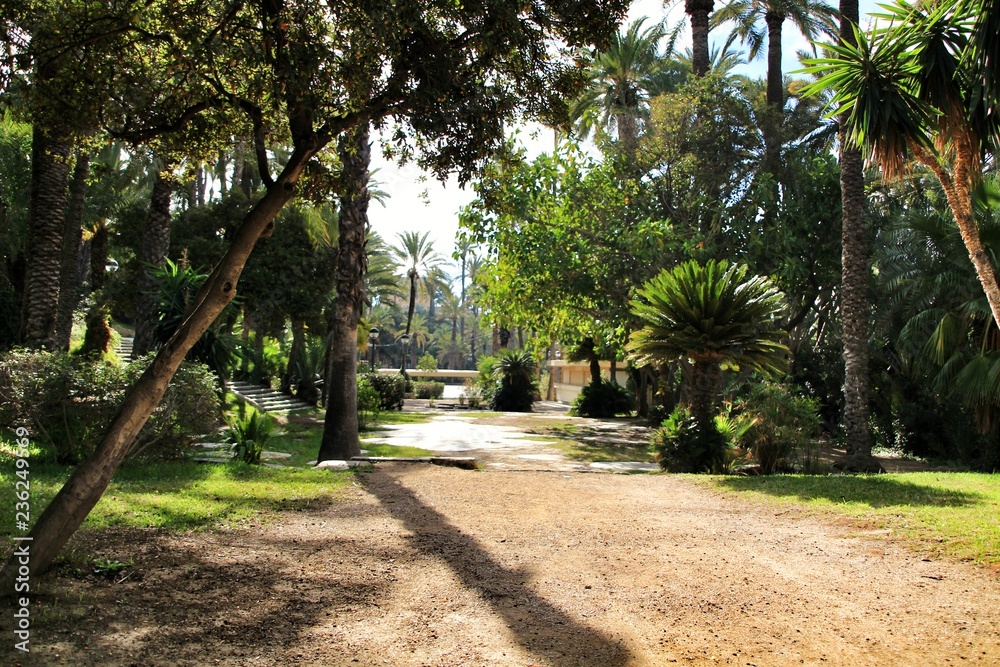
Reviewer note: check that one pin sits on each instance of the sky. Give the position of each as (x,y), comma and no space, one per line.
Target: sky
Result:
(418,202)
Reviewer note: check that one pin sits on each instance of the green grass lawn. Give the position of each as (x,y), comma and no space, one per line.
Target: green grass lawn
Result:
(955,514)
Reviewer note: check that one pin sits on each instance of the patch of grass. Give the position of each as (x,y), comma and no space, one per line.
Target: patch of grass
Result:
(375,449)
(395,417)
(181,496)
(957,514)
(603,451)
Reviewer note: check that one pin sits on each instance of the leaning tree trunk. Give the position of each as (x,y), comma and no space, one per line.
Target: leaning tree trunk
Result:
(699,10)
(49,178)
(69,278)
(88,482)
(340,427)
(152,255)
(854,305)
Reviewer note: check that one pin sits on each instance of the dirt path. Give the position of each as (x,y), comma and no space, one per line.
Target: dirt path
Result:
(435,566)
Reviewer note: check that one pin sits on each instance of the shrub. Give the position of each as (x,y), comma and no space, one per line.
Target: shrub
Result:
(603,399)
(778,424)
(429,389)
(391,388)
(682,445)
(472,393)
(427,363)
(68,401)
(515,390)
(249,434)
(369,402)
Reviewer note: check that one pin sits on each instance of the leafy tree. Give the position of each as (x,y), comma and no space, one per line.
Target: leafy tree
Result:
(714,315)
(450,76)
(514,372)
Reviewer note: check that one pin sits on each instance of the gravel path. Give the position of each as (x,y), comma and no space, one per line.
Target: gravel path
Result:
(421,565)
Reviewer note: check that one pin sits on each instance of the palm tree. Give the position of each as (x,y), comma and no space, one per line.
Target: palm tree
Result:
(902,95)
(698,11)
(622,78)
(812,17)
(712,315)
(416,252)
(381,281)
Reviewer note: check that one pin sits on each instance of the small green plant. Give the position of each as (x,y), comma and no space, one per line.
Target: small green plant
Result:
(777,425)
(472,394)
(603,399)
(369,402)
(249,434)
(514,371)
(108,566)
(682,444)
(391,388)
(427,363)
(429,390)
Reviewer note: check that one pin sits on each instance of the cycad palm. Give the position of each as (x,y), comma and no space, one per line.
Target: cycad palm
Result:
(713,314)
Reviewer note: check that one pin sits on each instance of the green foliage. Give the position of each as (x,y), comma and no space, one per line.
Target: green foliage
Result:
(472,393)
(391,388)
(67,402)
(514,371)
(249,434)
(369,402)
(427,363)
(604,399)
(777,425)
(428,389)
(682,444)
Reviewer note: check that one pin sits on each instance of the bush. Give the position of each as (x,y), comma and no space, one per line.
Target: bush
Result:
(515,388)
(778,424)
(391,388)
(369,402)
(603,399)
(429,389)
(472,393)
(67,402)
(249,434)
(681,445)
(427,363)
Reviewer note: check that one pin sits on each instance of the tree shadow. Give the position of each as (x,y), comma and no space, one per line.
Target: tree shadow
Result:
(876,491)
(539,626)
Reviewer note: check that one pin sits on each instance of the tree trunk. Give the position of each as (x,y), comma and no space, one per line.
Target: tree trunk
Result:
(775,78)
(69,278)
(706,375)
(152,253)
(88,482)
(99,256)
(340,427)
(49,178)
(854,305)
(771,125)
(699,10)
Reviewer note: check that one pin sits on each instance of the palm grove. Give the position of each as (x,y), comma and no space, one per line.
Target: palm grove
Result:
(221,152)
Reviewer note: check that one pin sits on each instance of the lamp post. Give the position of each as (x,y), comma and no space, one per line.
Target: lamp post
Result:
(405,339)
(372,339)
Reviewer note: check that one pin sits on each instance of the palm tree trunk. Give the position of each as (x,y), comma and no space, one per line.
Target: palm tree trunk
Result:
(854,304)
(87,484)
(775,82)
(699,10)
(49,178)
(69,278)
(706,375)
(152,253)
(99,256)
(340,426)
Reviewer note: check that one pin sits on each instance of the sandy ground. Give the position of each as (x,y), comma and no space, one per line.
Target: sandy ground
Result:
(421,565)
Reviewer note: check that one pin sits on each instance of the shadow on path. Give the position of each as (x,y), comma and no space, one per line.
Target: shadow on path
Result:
(874,491)
(539,626)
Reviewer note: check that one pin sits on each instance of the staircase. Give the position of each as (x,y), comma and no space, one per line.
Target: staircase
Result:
(124,349)
(266,399)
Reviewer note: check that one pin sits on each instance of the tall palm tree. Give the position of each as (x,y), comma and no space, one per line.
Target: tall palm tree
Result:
(710,314)
(813,18)
(698,11)
(622,78)
(416,253)
(903,95)
(381,280)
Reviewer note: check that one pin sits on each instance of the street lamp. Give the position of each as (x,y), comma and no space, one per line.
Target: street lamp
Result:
(372,339)
(405,339)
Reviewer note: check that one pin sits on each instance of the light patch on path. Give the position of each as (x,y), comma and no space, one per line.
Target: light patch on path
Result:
(455,433)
